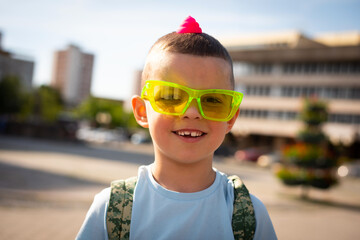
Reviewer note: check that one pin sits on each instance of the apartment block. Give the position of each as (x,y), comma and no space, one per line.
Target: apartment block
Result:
(72,74)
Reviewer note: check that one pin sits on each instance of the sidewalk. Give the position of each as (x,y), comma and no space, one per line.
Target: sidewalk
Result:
(45,193)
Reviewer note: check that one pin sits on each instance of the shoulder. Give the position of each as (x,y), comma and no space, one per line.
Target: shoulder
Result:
(102,198)
(264,226)
(99,205)
(94,226)
(226,183)
(258,205)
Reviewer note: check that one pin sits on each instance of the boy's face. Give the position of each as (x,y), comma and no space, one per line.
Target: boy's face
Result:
(168,131)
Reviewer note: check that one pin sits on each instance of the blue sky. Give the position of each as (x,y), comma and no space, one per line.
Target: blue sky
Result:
(120,33)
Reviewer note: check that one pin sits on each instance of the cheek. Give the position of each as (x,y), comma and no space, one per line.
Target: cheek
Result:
(159,124)
(219,130)
(219,127)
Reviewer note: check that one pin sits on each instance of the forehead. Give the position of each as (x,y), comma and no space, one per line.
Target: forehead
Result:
(197,72)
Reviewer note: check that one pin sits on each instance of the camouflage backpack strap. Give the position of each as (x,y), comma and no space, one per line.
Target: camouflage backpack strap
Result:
(118,216)
(243,219)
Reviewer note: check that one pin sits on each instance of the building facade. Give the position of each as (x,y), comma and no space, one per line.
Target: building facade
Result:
(276,72)
(72,74)
(12,64)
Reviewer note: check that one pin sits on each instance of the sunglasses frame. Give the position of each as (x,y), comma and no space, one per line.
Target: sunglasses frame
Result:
(193,94)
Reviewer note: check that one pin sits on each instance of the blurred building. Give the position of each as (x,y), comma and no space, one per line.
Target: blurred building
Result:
(72,74)
(13,64)
(275,72)
(136,89)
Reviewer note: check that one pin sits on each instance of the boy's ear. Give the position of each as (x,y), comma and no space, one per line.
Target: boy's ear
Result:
(231,122)
(139,110)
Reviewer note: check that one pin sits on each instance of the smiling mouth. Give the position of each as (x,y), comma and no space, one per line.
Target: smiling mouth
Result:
(189,133)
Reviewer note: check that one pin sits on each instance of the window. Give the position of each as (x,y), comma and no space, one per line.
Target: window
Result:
(290,115)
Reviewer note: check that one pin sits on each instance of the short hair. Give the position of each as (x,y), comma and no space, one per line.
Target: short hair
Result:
(198,44)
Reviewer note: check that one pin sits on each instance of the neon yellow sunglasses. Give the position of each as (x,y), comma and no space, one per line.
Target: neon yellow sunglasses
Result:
(174,99)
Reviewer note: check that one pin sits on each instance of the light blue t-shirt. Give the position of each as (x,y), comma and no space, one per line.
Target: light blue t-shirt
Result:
(162,214)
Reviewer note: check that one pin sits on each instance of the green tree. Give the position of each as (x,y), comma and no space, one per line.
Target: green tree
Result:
(44,103)
(11,95)
(48,103)
(309,162)
(104,112)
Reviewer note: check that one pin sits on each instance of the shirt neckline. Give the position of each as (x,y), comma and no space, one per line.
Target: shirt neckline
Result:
(179,195)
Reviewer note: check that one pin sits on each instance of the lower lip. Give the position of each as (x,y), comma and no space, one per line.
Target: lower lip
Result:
(190,139)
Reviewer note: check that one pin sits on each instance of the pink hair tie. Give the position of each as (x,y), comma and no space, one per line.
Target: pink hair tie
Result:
(189,26)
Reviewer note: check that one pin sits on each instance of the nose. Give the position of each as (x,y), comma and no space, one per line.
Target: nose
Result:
(193,111)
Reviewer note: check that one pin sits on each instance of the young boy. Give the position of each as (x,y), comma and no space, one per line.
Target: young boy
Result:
(189,105)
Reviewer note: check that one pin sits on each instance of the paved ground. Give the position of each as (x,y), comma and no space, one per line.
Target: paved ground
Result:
(47,187)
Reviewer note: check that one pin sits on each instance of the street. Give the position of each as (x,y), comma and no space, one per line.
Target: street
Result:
(46,188)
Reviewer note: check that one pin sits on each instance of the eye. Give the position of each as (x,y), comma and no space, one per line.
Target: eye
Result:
(170,97)
(213,100)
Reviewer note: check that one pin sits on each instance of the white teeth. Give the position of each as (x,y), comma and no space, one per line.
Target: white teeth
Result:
(189,133)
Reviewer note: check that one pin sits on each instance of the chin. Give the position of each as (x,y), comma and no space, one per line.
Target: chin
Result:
(191,158)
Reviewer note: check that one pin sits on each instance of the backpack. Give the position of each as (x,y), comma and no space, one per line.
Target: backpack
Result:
(118,217)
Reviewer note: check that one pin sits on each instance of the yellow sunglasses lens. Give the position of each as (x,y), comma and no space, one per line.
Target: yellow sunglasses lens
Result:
(216,105)
(170,99)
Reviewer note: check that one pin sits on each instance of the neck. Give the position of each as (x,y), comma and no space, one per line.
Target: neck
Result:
(183,177)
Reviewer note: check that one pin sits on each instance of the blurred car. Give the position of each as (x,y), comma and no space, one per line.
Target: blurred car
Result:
(351,169)
(224,151)
(139,138)
(267,160)
(251,154)
(99,135)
